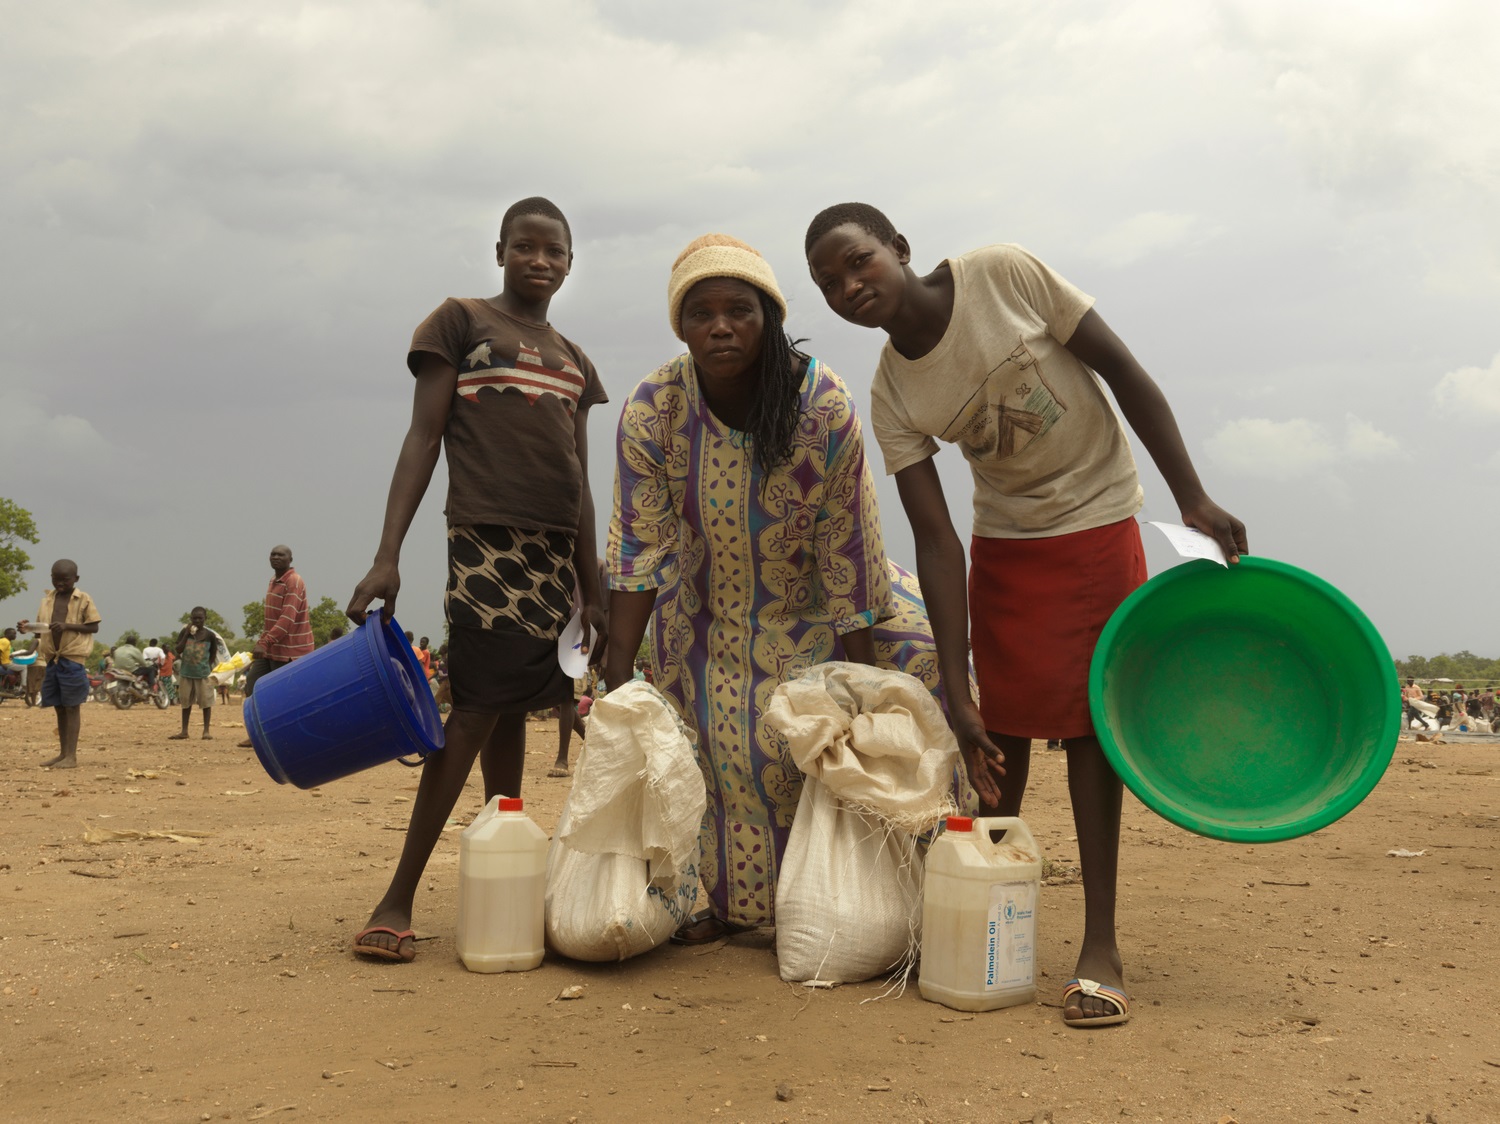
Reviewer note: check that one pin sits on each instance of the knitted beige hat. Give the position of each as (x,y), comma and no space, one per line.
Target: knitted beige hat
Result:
(717,255)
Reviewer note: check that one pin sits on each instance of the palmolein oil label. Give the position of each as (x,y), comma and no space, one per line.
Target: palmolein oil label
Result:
(1010,936)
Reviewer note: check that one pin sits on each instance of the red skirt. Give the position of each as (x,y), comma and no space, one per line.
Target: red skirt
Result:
(1036,608)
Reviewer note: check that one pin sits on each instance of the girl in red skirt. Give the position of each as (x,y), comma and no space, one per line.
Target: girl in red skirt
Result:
(996,353)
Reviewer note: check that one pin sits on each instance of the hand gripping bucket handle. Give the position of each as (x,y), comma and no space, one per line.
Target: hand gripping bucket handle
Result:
(360,701)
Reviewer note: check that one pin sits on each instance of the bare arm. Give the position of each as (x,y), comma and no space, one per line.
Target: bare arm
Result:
(1146,409)
(585,550)
(629,613)
(57,628)
(941,571)
(432,400)
(859,646)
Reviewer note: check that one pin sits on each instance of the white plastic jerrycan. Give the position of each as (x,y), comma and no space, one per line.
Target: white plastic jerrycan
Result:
(502,880)
(979,902)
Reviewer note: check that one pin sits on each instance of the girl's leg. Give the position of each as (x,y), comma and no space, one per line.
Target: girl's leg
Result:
(1096,791)
(443,778)
(567,719)
(503,759)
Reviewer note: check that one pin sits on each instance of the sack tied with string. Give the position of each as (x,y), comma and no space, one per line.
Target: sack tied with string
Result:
(622,871)
(878,758)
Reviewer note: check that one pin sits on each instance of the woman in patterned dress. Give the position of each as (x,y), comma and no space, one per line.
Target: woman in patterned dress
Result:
(745,530)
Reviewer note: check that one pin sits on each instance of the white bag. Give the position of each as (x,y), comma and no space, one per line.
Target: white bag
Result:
(622,871)
(848,896)
(878,757)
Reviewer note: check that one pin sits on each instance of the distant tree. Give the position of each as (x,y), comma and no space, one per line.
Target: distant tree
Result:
(129,636)
(16,526)
(1462,667)
(324,616)
(214,621)
(255,617)
(1413,667)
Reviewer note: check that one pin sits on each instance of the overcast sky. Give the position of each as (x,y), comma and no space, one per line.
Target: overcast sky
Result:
(222,222)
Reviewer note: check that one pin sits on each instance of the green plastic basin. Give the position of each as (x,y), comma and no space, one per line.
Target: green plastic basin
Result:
(1251,704)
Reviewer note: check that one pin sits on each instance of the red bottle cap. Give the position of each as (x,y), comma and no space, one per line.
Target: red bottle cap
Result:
(960,823)
(511,804)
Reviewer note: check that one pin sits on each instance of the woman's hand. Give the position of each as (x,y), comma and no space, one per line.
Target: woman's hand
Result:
(859,646)
(982,758)
(1206,516)
(596,625)
(382,584)
(629,613)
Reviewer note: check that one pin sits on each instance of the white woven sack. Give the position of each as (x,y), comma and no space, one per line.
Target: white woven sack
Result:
(848,895)
(605,907)
(622,871)
(876,737)
(878,757)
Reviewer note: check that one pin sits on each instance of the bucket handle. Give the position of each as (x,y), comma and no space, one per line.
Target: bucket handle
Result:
(417,764)
(1016,832)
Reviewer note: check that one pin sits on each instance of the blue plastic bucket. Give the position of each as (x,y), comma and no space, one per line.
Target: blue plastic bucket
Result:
(360,701)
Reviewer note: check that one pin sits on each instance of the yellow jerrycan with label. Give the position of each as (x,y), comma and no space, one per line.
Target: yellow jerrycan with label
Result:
(979,904)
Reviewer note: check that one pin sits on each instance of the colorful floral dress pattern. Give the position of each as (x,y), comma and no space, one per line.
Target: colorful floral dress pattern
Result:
(755,586)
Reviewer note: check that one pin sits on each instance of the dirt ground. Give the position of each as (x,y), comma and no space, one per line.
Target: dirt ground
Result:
(209,977)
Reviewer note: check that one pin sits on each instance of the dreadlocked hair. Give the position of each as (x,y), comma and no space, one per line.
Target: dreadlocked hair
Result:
(774,412)
(533,205)
(872,221)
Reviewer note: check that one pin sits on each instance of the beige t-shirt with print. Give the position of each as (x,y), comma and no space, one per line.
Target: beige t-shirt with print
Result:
(1048,453)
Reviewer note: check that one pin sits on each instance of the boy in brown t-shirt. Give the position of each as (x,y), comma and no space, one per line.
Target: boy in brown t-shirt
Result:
(507,398)
(66,623)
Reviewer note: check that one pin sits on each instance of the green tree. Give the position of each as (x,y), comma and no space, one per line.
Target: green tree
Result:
(213,620)
(16,526)
(1413,667)
(325,616)
(255,617)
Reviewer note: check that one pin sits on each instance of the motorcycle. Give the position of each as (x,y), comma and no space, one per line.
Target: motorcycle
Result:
(126,688)
(13,686)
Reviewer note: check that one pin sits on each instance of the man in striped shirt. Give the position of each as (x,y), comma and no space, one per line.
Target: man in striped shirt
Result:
(286,634)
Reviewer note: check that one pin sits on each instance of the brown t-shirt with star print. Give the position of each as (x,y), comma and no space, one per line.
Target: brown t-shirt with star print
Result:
(511,454)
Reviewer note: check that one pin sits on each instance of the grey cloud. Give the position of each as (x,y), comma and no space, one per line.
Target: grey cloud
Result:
(231,218)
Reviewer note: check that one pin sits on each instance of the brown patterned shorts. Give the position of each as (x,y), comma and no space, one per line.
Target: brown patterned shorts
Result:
(510,593)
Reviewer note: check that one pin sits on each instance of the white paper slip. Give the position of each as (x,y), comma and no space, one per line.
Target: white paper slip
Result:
(1191,543)
(570,654)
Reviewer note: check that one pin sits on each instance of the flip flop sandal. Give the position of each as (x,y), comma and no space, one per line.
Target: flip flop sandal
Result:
(717,929)
(1111,995)
(385,953)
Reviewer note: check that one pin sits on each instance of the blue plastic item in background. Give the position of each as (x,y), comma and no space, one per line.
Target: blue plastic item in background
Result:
(360,701)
